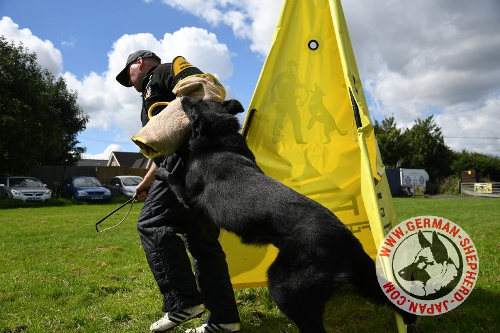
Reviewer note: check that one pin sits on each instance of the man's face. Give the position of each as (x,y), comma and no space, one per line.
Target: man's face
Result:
(136,75)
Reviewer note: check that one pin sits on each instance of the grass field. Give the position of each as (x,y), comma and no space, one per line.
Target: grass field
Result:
(58,275)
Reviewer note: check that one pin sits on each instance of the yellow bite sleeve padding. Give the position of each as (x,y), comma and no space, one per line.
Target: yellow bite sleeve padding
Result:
(169,129)
(165,132)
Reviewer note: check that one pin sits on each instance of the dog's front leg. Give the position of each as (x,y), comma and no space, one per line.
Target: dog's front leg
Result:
(172,172)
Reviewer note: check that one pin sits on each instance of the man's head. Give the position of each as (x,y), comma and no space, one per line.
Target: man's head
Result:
(137,66)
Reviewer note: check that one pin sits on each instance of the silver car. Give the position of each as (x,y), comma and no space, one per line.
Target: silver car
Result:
(25,188)
(124,184)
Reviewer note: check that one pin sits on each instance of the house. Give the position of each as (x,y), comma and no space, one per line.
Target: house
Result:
(402,181)
(129,160)
(92,163)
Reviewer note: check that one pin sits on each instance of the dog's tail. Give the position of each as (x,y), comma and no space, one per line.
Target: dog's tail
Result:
(364,278)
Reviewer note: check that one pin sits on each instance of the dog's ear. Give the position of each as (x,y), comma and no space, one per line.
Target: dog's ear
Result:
(438,249)
(422,240)
(187,104)
(192,112)
(233,107)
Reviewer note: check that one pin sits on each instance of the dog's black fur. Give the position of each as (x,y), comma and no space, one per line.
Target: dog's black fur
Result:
(317,253)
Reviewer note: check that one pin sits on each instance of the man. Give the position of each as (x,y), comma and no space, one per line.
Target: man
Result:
(163,218)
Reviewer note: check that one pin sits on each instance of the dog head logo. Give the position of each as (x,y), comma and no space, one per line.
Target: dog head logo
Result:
(432,269)
(427,265)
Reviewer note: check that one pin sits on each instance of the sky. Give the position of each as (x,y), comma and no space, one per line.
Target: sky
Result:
(415,58)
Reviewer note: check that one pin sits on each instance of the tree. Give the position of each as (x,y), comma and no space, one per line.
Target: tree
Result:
(419,147)
(487,167)
(391,142)
(39,117)
(427,150)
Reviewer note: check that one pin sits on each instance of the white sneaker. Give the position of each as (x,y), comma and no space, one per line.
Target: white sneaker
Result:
(173,319)
(213,328)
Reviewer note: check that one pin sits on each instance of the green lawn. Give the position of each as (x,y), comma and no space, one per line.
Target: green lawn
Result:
(58,275)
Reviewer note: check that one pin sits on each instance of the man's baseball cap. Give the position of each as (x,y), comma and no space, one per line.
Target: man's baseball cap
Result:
(123,77)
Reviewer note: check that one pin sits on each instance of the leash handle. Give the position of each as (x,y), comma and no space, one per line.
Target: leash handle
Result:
(114,211)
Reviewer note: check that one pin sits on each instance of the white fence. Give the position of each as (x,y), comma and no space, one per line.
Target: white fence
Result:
(481,189)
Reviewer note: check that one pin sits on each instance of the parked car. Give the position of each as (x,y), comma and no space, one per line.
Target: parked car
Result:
(124,184)
(24,188)
(86,188)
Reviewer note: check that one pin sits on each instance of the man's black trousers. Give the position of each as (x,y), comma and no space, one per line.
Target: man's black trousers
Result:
(166,228)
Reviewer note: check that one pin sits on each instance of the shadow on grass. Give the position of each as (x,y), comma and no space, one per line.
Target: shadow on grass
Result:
(478,313)
(349,312)
(8,203)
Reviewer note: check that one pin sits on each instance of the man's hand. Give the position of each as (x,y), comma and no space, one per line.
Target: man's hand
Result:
(141,191)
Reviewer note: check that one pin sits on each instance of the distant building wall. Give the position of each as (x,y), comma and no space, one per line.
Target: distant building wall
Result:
(394,180)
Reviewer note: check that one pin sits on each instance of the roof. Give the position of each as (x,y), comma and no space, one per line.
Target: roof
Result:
(90,162)
(128,159)
(142,163)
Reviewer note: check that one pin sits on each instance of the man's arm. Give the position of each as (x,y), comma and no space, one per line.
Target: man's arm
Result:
(141,190)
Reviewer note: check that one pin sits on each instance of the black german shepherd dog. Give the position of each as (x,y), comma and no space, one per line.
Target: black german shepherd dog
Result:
(317,253)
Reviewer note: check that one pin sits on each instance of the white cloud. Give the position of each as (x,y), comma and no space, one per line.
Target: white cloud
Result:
(251,19)
(107,102)
(68,43)
(104,155)
(473,128)
(48,56)
(415,58)
(423,57)
(100,95)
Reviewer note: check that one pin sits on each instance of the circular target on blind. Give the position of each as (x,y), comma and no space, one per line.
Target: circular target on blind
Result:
(313,44)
